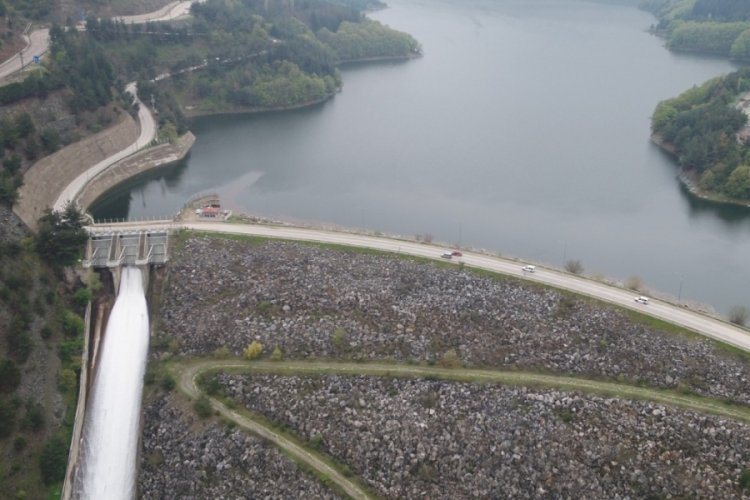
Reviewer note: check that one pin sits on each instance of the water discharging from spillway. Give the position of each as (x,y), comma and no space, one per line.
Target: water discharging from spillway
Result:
(110,436)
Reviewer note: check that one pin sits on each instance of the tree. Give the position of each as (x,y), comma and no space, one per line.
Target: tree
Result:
(53,460)
(574,266)
(253,350)
(450,359)
(277,355)
(10,376)
(203,407)
(61,236)
(634,283)
(738,184)
(739,315)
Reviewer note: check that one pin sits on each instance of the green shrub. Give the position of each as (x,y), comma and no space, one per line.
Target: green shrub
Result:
(212,385)
(66,380)
(7,417)
(277,355)
(203,407)
(338,338)
(745,479)
(253,350)
(574,266)
(10,376)
(53,460)
(46,332)
(316,440)
(34,419)
(450,359)
(168,383)
(82,297)
(70,348)
(72,324)
(222,352)
(19,443)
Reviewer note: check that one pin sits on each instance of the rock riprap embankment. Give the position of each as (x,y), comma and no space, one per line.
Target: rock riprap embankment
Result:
(435,439)
(183,457)
(318,302)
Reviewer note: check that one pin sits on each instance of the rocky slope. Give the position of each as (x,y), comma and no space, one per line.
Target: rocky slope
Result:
(316,302)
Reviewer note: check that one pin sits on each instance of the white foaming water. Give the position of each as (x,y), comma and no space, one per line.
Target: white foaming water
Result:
(110,438)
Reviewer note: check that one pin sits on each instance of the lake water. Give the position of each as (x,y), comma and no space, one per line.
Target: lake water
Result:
(524,129)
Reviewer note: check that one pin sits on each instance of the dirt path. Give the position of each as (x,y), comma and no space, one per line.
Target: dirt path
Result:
(187,381)
(189,371)
(625,391)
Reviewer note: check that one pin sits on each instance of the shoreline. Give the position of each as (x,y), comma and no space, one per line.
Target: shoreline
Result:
(690,185)
(191,113)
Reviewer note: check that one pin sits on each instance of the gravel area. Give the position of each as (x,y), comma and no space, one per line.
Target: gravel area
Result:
(434,439)
(183,457)
(317,302)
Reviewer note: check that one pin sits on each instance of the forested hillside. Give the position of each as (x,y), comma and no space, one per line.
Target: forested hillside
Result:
(708,26)
(701,126)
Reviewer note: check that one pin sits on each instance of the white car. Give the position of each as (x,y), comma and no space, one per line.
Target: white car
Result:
(528,269)
(642,300)
(447,255)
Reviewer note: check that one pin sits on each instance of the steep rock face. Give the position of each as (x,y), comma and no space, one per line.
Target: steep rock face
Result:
(317,302)
(185,458)
(435,439)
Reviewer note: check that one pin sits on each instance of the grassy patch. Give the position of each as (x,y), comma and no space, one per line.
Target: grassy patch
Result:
(527,379)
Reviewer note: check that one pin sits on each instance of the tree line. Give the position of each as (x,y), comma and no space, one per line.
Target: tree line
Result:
(719,27)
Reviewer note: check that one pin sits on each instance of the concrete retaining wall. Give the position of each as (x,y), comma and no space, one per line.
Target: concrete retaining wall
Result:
(46,179)
(133,165)
(75,440)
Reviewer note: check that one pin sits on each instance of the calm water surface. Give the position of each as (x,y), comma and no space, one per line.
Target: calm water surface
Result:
(523,129)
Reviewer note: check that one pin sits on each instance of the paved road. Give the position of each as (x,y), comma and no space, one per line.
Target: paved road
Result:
(36,45)
(187,381)
(147,134)
(700,323)
(166,13)
(37,42)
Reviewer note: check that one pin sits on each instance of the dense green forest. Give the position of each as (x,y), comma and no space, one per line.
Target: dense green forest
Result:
(701,126)
(250,54)
(41,320)
(709,26)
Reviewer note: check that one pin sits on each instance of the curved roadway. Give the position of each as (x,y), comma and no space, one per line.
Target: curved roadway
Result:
(36,45)
(697,322)
(37,42)
(147,134)
(166,13)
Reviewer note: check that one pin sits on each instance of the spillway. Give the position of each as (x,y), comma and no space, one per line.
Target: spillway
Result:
(110,435)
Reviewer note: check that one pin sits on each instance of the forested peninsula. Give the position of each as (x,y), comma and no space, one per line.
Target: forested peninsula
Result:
(705,127)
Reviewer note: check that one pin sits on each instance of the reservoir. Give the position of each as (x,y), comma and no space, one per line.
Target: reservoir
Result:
(524,129)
